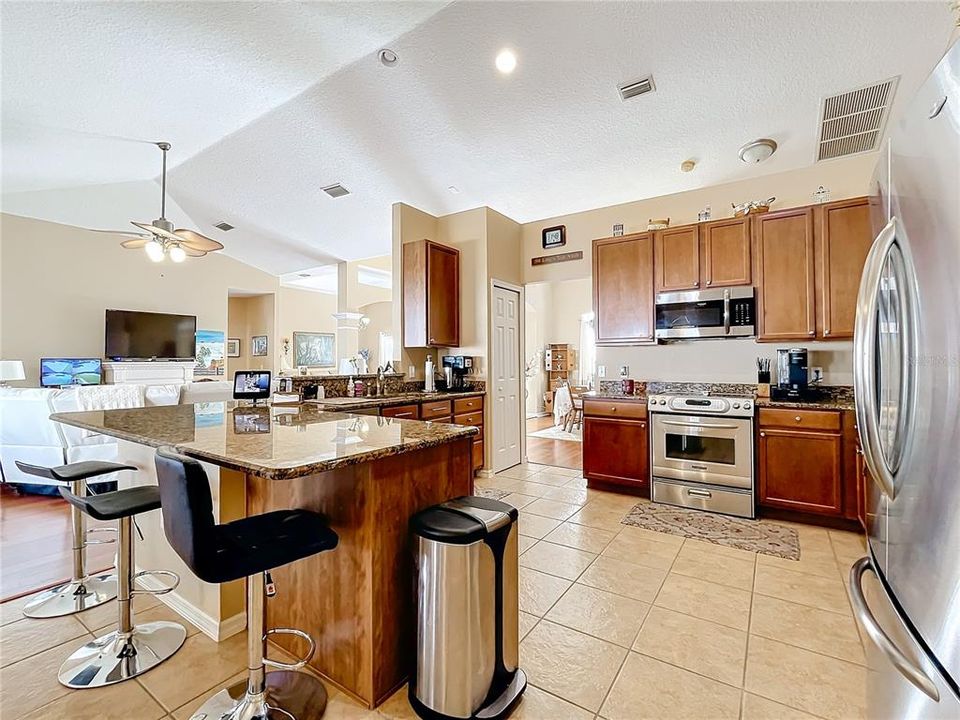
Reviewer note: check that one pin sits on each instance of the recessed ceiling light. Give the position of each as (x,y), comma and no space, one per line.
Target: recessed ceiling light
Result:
(388,57)
(506,61)
(453,189)
(757,151)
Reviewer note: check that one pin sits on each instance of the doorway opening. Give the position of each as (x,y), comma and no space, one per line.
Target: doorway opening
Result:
(559,368)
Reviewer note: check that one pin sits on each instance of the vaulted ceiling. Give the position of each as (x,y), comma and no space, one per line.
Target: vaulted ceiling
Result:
(264,104)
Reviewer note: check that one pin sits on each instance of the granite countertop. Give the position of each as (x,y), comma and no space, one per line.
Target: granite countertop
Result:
(600,395)
(345,404)
(279,442)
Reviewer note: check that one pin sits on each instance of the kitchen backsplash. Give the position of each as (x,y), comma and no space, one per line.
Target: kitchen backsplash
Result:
(394,384)
(613,388)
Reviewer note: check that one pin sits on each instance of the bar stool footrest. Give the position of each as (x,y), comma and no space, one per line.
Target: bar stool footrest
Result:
(108,541)
(162,591)
(294,665)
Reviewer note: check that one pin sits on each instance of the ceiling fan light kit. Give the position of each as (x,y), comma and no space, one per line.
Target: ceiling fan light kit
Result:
(161,239)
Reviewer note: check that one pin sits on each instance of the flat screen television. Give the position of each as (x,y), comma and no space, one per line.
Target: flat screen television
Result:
(133,335)
(56,372)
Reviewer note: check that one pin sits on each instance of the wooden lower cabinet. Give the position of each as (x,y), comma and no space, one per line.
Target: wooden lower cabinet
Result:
(617,451)
(406,412)
(470,412)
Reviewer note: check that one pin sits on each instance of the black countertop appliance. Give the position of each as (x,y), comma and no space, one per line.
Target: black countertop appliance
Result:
(455,369)
(793,376)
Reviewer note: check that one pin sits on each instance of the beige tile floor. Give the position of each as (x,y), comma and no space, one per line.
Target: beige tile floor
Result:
(616,623)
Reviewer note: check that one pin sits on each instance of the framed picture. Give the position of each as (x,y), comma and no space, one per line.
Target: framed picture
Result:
(233,347)
(258,345)
(313,349)
(554,237)
(210,345)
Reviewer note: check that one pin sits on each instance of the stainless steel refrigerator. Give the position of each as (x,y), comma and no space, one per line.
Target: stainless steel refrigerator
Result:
(906,592)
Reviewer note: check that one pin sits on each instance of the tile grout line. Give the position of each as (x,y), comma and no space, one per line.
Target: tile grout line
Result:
(746,647)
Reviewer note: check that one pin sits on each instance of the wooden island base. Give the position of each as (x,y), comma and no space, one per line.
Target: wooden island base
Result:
(357,601)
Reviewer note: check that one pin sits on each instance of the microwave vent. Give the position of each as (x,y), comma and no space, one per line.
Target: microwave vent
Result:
(640,87)
(853,122)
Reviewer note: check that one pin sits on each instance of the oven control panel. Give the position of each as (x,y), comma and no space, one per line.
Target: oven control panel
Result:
(702,405)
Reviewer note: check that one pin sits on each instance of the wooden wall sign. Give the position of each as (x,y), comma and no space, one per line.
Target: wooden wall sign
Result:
(561,257)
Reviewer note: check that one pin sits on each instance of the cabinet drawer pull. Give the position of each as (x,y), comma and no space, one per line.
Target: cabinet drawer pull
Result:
(613,409)
(763,434)
(403,414)
(699,493)
(798,418)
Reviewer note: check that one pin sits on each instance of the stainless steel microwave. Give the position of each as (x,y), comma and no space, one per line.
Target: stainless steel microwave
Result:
(714,313)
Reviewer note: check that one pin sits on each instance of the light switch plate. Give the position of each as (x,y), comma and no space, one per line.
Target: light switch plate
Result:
(624,371)
(601,371)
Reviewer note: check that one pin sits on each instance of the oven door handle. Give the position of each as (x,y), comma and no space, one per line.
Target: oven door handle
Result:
(698,425)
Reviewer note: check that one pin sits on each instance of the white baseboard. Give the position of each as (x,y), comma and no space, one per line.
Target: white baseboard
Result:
(483,474)
(217,630)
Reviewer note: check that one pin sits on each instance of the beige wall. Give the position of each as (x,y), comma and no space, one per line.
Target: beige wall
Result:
(409,224)
(249,316)
(58,280)
(536,331)
(381,320)
(846,177)
(304,311)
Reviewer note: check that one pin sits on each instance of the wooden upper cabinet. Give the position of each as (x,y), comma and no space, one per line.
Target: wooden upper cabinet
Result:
(623,289)
(431,295)
(784,252)
(725,253)
(844,238)
(677,258)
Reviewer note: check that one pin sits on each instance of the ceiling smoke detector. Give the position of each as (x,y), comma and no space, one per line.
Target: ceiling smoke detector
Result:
(223,225)
(757,151)
(640,87)
(388,58)
(336,190)
(687,166)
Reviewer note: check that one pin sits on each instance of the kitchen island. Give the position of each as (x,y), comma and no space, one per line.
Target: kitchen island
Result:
(366,474)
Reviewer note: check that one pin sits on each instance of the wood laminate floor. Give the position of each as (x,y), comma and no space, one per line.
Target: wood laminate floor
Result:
(559,453)
(35,543)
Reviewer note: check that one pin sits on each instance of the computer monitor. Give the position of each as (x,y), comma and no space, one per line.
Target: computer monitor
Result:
(251,385)
(57,372)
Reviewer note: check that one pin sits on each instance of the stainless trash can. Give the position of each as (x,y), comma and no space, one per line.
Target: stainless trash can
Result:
(467,610)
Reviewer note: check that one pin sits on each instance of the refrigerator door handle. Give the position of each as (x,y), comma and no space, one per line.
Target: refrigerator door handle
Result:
(864,367)
(899,660)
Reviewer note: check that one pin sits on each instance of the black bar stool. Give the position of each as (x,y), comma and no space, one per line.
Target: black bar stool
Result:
(83,591)
(131,649)
(249,548)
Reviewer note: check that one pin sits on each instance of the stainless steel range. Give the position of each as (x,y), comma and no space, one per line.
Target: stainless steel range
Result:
(702,452)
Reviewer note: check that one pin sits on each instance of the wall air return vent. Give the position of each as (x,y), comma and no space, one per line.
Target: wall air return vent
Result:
(223,225)
(853,122)
(336,190)
(640,87)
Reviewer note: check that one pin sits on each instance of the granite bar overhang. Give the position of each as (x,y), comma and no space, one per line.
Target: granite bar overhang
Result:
(278,443)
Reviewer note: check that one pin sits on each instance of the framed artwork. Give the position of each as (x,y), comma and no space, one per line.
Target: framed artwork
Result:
(210,353)
(258,346)
(233,347)
(554,237)
(313,349)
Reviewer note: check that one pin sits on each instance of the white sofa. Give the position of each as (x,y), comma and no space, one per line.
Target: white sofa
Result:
(28,434)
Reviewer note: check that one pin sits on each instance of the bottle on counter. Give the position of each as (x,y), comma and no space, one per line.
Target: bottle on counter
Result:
(350,388)
(429,382)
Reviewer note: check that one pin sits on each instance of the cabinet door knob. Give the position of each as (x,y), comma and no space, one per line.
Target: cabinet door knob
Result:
(643,424)
(826,332)
(763,434)
(432,339)
(812,332)
(613,409)
(798,418)
(709,282)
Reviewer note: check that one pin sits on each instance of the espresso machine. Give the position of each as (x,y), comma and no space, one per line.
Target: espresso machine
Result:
(455,369)
(793,376)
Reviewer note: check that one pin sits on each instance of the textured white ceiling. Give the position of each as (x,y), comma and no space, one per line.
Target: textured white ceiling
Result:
(266,104)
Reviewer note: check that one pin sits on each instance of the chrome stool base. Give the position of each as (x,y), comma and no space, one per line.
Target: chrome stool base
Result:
(289,695)
(116,657)
(73,597)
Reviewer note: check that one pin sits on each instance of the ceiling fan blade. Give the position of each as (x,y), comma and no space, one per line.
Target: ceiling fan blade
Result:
(157,231)
(195,240)
(128,233)
(193,252)
(135,243)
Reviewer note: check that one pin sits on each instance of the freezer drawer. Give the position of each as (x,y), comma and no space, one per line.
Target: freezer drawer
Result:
(902,680)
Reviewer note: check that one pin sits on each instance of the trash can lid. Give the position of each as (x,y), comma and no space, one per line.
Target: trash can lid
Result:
(463,520)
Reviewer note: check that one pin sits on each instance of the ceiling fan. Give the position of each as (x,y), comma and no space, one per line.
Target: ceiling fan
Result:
(160,238)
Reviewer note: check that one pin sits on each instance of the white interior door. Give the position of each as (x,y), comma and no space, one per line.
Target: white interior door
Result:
(507,386)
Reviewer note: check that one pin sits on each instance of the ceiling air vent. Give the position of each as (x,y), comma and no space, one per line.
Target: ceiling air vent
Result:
(336,190)
(223,225)
(853,122)
(640,87)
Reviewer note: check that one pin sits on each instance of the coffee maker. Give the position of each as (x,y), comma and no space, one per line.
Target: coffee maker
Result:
(455,369)
(793,376)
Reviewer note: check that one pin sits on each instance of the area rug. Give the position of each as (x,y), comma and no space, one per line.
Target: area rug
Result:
(754,535)
(490,493)
(557,433)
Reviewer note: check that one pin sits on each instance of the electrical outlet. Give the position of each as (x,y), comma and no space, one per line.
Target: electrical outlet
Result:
(816,374)
(601,371)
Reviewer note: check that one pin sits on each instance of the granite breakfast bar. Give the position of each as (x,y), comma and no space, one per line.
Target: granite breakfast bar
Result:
(366,474)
